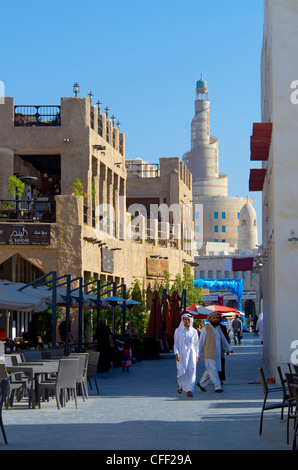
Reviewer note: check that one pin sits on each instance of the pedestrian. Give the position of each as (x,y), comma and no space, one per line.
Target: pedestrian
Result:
(237,329)
(212,342)
(62,330)
(259,326)
(33,332)
(222,373)
(126,356)
(186,347)
(105,345)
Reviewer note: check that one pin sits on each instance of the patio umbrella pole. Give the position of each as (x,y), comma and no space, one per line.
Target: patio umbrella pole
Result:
(124,311)
(80,314)
(98,302)
(164,323)
(66,348)
(54,309)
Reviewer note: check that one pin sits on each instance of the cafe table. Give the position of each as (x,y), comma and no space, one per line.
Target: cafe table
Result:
(33,371)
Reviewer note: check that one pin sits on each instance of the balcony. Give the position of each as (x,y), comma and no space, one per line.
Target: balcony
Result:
(29,210)
(37,116)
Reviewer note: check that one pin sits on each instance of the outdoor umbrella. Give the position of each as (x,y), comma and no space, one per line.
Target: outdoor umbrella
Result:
(198,311)
(12,299)
(155,319)
(222,309)
(174,317)
(38,292)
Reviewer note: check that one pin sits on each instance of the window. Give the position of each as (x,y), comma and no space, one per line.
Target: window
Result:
(216,228)
(236,275)
(216,240)
(223,215)
(202,274)
(238,215)
(227,273)
(244,274)
(223,241)
(210,274)
(216,215)
(218,274)
(223,229)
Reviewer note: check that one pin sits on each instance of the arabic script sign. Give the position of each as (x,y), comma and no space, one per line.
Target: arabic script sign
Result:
(25,234)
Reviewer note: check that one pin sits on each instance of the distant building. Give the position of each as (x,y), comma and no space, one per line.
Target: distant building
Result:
(210,188)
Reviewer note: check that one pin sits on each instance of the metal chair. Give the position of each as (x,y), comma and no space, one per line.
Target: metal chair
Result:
(294,388)
(82,373)
(3,394)
(270,406)
(16,386)
(92,368)
(66,381)
(292,403)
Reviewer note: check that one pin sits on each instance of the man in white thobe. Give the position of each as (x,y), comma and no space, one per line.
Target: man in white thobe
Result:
(212,345)
(186,347)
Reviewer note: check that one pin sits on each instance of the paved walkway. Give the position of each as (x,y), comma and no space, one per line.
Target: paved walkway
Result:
(141,410)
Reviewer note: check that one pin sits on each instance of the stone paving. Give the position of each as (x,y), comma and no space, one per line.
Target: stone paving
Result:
(141,410)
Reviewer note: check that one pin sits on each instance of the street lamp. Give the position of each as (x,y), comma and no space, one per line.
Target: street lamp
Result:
(129,305)
(113,301)
(76,89)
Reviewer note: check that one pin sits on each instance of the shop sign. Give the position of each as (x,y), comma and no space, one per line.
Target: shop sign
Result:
(25,234)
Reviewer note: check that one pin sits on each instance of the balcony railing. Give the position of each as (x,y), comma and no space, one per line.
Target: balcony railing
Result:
(29,210)
(37,116)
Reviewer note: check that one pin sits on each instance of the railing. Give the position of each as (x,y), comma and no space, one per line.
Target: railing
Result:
(29,210)
(37,115)
(142,170)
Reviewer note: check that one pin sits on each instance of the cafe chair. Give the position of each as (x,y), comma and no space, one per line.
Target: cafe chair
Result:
(294,388)
(3,394)
(65,382)
(270,406)
(92,368)
(16,385)
(290,380)
(82,373)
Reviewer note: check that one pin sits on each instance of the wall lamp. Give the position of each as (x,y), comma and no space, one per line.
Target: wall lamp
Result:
(293,239)
(66,141)
(99,147)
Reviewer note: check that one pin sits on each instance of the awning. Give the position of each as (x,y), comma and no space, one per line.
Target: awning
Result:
(256,179)
(260,141)
(239,264)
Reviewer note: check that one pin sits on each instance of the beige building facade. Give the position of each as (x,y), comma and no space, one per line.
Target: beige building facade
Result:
(73,217)
(273,151)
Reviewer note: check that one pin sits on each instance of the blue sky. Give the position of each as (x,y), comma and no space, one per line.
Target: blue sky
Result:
(142,60)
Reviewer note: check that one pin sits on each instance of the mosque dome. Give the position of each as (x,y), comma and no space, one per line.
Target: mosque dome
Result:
(202,83)
(248,212)
(248,233)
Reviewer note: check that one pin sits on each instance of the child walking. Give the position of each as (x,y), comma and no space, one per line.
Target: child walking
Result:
(126,356)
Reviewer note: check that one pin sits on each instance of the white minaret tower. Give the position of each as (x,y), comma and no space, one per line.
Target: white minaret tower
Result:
(202,160)
(248,231)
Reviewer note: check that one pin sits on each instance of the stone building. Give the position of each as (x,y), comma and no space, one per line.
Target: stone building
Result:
(275,172)
(73,217)
(210,187)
